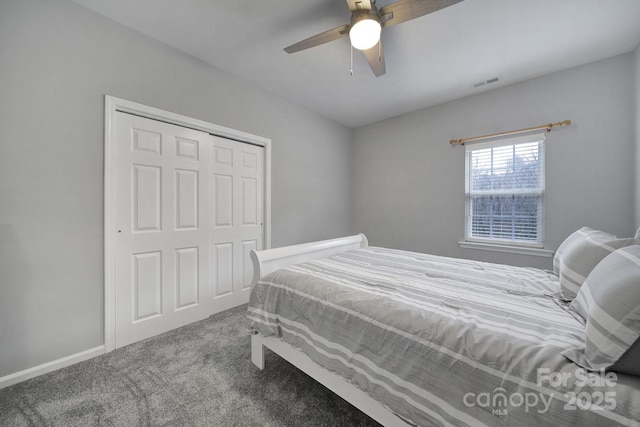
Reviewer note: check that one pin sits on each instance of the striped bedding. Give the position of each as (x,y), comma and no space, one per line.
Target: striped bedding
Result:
(443,341)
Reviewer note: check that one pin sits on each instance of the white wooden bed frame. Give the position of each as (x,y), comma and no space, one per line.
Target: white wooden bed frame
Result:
(266,261)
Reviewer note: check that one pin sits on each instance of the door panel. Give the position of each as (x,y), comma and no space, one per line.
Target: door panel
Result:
(223,200)
(147,285)
(223,267)
(187,284)
(146,198)
(186,186)
(249,201)
(161,214)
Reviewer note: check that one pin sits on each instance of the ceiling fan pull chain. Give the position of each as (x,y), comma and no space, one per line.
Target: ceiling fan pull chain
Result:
(351,69)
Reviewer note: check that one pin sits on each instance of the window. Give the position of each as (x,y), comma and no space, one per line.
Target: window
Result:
(505,191)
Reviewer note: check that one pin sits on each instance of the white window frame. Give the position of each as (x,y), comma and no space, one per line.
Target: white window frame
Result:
(506,245)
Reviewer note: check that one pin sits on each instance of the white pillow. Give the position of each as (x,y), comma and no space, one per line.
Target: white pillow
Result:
(579,254)
(609,301)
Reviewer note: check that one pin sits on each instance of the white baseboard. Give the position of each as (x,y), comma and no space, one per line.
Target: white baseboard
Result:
(11,379)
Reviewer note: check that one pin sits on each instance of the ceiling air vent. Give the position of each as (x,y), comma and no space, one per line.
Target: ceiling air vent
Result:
(486,82)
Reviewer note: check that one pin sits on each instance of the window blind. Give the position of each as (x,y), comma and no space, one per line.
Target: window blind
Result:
(505,190)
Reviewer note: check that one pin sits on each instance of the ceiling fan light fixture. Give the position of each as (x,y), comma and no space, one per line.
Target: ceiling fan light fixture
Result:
(365,30)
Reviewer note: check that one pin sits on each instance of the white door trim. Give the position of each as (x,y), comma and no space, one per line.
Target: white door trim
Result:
(113,104)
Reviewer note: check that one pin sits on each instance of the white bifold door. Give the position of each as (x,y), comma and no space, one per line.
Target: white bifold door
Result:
(188,209)
(236,220)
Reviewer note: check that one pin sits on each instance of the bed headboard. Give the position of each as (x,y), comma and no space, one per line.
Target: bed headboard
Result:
(268,260)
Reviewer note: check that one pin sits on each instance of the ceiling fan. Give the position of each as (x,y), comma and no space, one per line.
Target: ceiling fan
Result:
(367,22)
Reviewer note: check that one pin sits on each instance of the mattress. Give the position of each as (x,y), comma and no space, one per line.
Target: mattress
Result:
(443,341)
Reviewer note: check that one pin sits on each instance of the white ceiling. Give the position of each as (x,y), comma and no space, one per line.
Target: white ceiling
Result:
(430,60)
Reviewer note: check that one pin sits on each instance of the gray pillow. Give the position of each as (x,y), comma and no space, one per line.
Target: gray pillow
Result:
(609,301)
(579,254)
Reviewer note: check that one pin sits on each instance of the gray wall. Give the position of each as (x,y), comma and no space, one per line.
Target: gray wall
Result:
(408,181)
(58,60)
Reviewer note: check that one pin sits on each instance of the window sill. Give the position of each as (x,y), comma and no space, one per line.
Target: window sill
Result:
(522,250)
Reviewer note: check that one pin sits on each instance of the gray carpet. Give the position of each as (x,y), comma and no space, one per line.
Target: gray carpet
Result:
(198,375)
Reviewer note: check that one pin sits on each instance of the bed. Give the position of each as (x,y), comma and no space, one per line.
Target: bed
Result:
(417,339)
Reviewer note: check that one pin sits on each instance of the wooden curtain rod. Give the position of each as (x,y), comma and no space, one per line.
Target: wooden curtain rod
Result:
(548,127)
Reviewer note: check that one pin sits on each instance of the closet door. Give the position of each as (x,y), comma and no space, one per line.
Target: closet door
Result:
(162,218)
(237,217)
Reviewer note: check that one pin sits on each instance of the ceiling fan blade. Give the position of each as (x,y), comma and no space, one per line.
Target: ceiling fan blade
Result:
(318,39)
(405,10)
(375,58)
(359,5)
